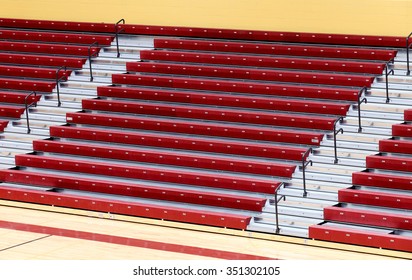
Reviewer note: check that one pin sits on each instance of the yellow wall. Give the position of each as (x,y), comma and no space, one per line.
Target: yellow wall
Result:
(380,17)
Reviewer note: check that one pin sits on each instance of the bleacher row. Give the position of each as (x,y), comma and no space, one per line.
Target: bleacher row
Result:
(205,128)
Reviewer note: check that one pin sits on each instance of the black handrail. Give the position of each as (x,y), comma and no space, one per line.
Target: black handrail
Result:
(117,31)
(58,80)
(90,58)
(27,108)
(364,89)
(386,78)
(276,205)
(334,137)
(408,46)
(304,164)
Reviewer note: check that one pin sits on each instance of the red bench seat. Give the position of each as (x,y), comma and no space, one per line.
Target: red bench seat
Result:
(25,84)
(375,198)
(134,190)
(265,61)
(41,60)
(389,163)
(275,36)
(221,99)
(149,173)
(31,72)
(58,49)
(59,37)
(16,97)
(407,115)
(402,130)
(57,25)
(179,142)
(382,180)
(305,91)
(166,158)
(10,111)
(368,217)
(251,74)
(216,114)
(3,124)
(395,146)
(275,49)
(200,128)
(218,219)
(360,237)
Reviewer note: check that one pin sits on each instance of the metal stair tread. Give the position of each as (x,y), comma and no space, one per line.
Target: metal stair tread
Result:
(325,195)
(284,230)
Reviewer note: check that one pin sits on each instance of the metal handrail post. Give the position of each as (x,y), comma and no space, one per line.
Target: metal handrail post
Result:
(408,46)
(276,205)
(27,106)
(364,89)
(90,58)
(387,73)
(334,138)
(58,83)
(304,164)
(117,31)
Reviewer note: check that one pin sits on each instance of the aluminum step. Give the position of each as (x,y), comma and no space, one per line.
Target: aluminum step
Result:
(290,191)
(317,185)
(136,41)
(284,230)
(7,162)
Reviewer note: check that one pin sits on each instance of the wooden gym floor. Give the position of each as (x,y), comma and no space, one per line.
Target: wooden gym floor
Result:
(34,232)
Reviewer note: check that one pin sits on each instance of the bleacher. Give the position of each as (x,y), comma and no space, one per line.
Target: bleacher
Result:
(250,130)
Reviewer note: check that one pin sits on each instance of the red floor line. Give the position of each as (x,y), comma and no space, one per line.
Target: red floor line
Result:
(191,250)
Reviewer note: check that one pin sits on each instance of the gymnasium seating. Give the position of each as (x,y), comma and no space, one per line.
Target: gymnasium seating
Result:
(206,128)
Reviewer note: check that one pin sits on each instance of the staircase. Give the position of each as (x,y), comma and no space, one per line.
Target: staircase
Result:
(374,208)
